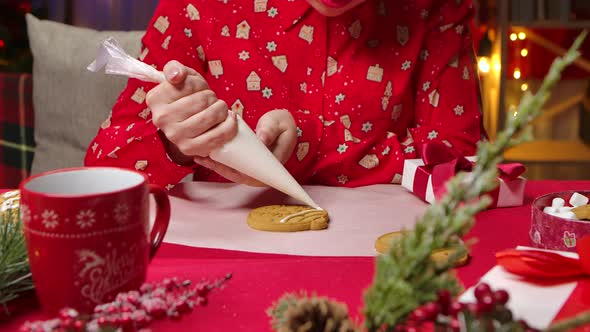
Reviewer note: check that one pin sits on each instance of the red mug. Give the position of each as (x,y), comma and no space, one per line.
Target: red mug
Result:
(87,233)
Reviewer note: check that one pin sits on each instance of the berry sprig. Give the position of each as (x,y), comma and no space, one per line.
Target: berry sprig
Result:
(488,313)
(134,310)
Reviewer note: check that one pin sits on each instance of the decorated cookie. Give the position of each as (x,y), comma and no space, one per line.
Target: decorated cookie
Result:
(384,241)
(9,200)
(287,218)
(9,204)
(440,256)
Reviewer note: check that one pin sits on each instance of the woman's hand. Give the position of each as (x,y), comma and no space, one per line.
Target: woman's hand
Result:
(277,130)
(191,119)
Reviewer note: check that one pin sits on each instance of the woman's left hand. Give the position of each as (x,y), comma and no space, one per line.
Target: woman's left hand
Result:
(277,130)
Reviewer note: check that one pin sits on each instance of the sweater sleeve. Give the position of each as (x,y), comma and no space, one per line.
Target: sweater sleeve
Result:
(445,99)
(447,106)
(128,138)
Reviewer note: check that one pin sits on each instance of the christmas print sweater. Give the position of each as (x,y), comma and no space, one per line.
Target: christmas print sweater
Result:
(367,89)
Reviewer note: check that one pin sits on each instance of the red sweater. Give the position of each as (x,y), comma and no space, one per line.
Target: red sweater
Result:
(366,89)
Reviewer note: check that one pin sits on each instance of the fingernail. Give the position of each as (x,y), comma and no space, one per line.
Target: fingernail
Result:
(172,72)
(232,114)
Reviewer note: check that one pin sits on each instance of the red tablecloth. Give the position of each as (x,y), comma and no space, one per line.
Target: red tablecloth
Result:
(259,279)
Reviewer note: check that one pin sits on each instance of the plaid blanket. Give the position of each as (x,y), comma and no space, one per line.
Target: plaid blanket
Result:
(16,128)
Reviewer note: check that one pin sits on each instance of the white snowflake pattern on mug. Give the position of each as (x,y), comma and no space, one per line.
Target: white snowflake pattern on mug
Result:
(121,213)
(25,213)
(50,219)
(85,218)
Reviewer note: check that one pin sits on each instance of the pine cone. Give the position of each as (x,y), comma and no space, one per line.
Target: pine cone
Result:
(317,315)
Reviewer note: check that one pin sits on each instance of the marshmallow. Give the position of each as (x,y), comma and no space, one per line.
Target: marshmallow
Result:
(564,215)
(567,215)
(565,209)
(557,202)
(578,200)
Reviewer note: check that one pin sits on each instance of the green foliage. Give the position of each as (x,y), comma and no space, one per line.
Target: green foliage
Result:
(406,277)
(15,275)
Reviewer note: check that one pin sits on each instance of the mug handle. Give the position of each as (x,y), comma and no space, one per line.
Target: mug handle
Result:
(162,218)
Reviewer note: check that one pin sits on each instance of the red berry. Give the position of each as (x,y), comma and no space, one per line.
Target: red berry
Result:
(501,296)
(481,290)
(159,292)
(183,307)
(67,323)
(485,304)
(202,290)
(444,297)
(113,320)
(455,325)
(431,310)
(157,313)
(112,309)
(174,315)
(418,315)
(146,288)
(411,329)
(102,321)
(79,325)
(168,284)
(202,301)
(456,308)
(472,307)
(68,313)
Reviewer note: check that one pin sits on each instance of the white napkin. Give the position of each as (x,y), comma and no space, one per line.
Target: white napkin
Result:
(536,304)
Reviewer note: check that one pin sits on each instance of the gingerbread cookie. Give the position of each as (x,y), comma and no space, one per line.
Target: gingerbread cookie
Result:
(9,200)
(582,212)
(287,218)
(383,243)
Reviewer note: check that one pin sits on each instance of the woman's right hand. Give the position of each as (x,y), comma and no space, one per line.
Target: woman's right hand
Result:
(189,115)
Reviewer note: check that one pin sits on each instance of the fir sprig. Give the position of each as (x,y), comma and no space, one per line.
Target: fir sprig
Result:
(15,275)
(406,277)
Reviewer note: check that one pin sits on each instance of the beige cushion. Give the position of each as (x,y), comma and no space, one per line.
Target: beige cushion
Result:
(70,102)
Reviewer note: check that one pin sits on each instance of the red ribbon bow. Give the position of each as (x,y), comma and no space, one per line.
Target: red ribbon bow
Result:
(543,265)
(442,162)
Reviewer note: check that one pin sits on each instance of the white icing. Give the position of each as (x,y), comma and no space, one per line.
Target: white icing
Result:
(299,213)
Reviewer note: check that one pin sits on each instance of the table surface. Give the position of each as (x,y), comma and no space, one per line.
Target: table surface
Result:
(261,278)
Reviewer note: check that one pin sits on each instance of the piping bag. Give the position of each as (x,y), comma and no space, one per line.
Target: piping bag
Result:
(244,153)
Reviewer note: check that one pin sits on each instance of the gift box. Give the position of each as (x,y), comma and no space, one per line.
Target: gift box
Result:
(426,177)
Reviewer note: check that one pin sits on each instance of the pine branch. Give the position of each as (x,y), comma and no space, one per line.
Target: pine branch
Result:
(570,323)
(406,277)
(15,275)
